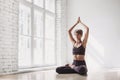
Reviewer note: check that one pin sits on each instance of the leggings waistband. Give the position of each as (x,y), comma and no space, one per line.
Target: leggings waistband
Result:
(79,62)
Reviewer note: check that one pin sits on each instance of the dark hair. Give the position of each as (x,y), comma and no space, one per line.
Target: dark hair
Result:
(79,31)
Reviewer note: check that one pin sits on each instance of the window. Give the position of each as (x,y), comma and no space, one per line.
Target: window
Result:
(38,3)
(36,33)
(50,5)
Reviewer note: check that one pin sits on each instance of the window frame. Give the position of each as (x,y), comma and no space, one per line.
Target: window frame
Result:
(34,7)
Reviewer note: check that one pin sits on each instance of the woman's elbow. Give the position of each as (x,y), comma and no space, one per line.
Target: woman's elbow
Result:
(87,28)
(69,31)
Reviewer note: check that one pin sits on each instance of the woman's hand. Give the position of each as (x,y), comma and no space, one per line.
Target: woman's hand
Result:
(71,66)
(78,21)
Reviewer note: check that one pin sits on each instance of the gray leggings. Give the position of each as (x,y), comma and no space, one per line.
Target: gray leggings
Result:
(80,68)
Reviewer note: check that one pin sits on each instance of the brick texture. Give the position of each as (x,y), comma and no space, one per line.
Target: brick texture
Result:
(61,31)
(8,36)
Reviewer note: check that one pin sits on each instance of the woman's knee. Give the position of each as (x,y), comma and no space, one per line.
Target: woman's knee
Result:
(81,69)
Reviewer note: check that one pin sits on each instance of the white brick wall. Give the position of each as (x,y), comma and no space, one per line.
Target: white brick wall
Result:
(8,36)
(61,31)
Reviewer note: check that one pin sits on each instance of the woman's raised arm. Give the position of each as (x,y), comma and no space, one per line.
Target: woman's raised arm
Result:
(86,34)
(70,31)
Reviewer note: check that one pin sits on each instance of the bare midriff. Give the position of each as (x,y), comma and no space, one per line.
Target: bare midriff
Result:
(78,57)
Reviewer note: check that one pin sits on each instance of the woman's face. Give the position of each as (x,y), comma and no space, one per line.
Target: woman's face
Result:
(78,36)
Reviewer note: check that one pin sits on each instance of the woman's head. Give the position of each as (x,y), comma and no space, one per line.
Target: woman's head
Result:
(78,33)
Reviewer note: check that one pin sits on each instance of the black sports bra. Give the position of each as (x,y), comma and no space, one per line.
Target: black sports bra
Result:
(80,50)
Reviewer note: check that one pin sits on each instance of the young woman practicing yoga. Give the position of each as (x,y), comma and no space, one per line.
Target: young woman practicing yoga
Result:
(79,46)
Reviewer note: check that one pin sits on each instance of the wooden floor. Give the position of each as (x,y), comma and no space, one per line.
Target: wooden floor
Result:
(52,75)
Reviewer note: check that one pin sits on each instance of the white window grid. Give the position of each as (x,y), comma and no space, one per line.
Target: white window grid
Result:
(41,9)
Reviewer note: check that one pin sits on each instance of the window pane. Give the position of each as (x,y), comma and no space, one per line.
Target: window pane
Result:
(38,3)
(50,5)
(24,51)
(38,52)
(38,23)
(25,20)
(38,58)
(49,52)
(49,27)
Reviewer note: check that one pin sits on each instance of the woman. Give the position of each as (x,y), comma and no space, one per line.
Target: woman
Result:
(79,46)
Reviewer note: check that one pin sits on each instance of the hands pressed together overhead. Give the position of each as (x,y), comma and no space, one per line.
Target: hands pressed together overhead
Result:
(78,21)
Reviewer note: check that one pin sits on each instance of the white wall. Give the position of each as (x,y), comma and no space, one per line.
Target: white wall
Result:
(61,36)
(8,36)
(102,17)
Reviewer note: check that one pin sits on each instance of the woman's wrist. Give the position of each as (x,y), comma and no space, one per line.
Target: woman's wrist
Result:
(76,23)
(72,66)
(81,22)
